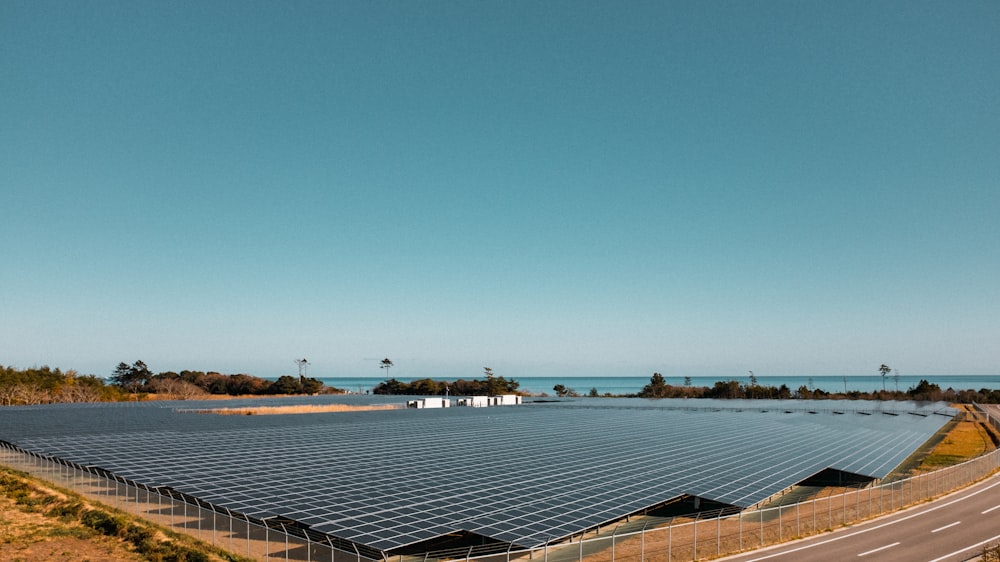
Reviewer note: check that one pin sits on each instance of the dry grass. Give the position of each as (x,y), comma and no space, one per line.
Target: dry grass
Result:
(302,409)
(39,521)
(965,440)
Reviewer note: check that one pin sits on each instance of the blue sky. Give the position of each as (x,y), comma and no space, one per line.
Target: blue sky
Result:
(545,188)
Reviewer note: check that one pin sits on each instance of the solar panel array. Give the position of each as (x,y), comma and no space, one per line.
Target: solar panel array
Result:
(524,475)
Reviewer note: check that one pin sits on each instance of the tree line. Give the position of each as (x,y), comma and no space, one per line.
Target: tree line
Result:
(732,389)
(44,385)
(490,385)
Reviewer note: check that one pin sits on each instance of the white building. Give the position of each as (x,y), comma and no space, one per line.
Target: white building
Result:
(505,400)
(485,401)
(429,402)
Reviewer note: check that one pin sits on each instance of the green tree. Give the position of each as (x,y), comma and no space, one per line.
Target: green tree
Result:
(725,389)
(657,387)
(562,390)
(386,364)
(884,370)
(131,378)
(493,387)
(311,385)
(391,386)
(285,385)
(496,386)
(593,392)
(784,393)
(427,387)
(924,391)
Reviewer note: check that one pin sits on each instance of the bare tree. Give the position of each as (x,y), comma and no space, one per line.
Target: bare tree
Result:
(78,393)
(177,389)
(30,394)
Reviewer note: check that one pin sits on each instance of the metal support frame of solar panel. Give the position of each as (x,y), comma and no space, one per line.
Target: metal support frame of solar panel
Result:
(521,475)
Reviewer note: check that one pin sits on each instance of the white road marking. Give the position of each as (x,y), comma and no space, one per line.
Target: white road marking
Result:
(970,547)
(862,531)
(878,549)
(991,509)
(946,526)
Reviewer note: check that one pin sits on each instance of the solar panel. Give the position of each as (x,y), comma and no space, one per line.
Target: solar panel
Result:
(524,475)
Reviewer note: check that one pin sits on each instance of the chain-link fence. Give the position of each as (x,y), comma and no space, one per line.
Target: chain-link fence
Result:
(700,536)
(258,539)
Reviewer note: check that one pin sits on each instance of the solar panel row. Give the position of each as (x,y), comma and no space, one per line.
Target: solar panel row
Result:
(523,475)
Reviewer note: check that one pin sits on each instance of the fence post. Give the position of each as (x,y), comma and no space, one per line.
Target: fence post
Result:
(881,492)
(814,529)
(718,533)
(843,517)
(670,538)
(285,531)
(229,526)
(613,533)
(857,503)
(779,522)
(694,555)
(642,542)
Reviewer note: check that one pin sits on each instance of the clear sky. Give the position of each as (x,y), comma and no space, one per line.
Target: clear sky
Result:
(546,188)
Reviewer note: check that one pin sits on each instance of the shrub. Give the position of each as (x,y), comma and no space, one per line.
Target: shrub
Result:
(103,522)
(142,538)
(66,510)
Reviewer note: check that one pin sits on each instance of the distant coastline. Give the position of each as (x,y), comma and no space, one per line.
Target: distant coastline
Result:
(620,386)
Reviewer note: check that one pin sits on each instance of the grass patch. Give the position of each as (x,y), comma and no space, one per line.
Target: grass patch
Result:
(39,520)
(966,440)
(961,439)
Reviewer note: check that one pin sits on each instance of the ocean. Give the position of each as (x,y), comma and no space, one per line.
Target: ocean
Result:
(632,385)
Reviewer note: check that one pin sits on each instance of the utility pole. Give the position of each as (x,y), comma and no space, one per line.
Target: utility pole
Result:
(303,365)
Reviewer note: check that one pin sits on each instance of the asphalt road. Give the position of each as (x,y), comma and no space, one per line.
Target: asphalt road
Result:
(951,529)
